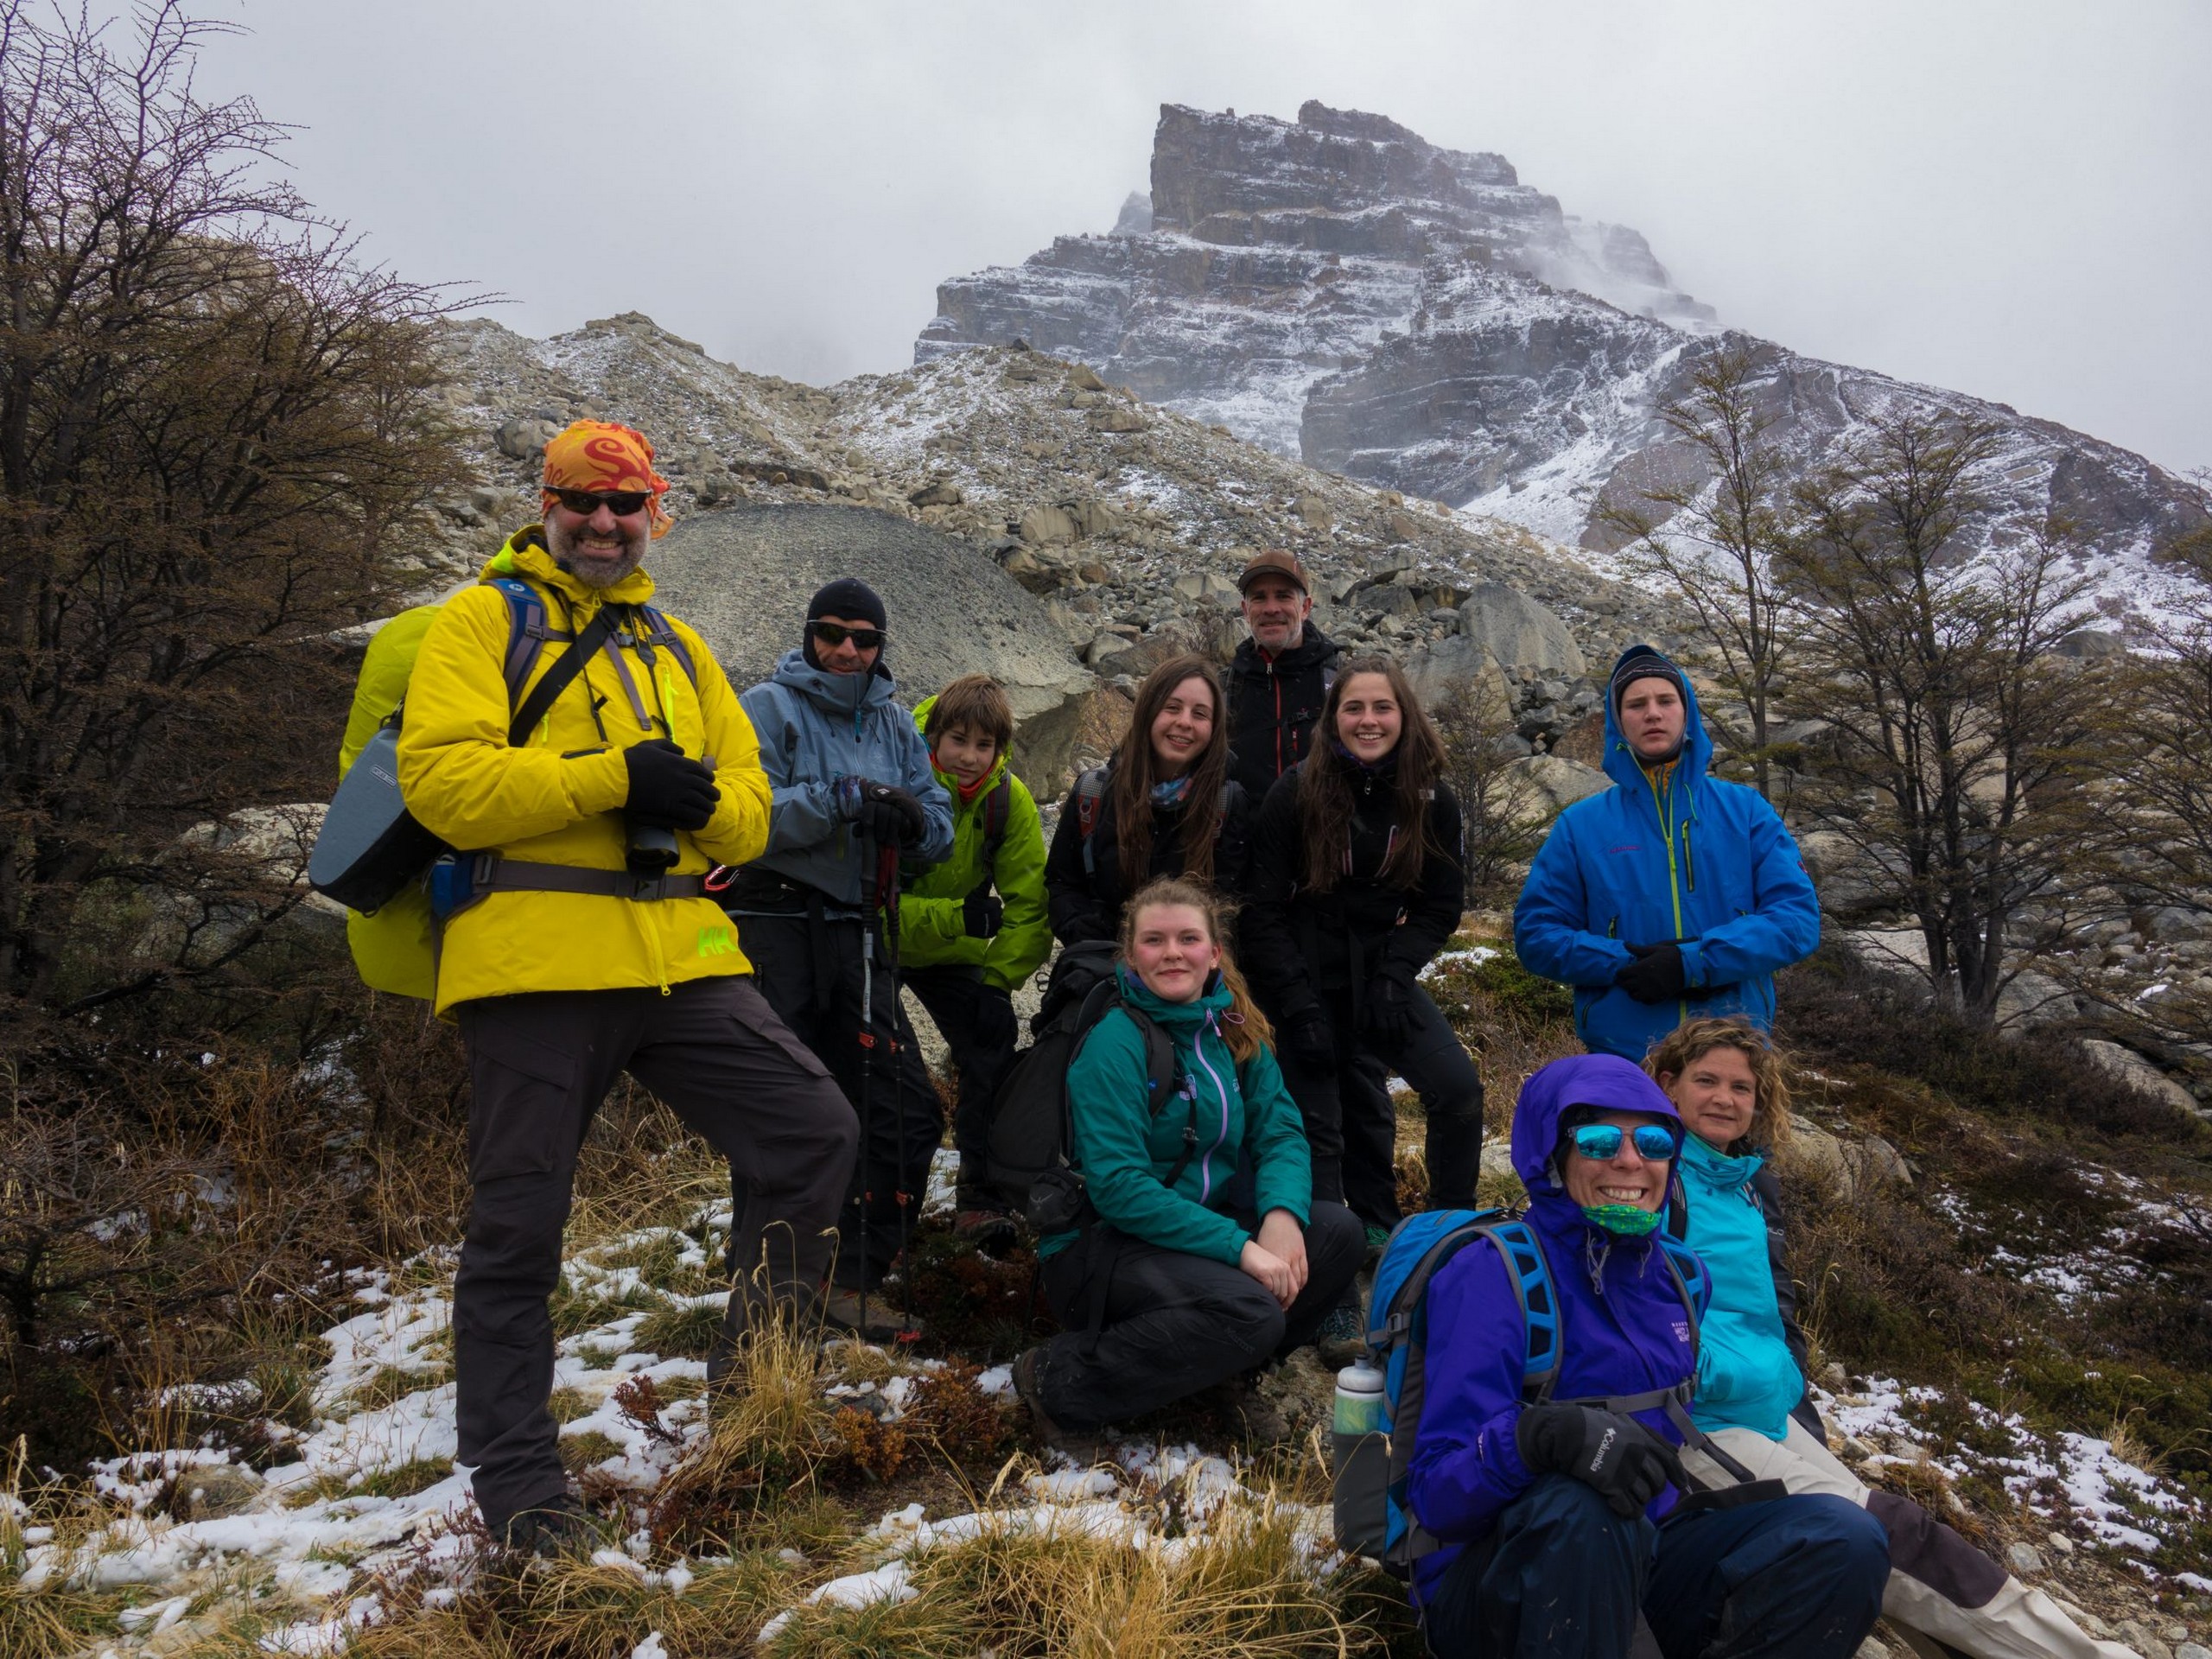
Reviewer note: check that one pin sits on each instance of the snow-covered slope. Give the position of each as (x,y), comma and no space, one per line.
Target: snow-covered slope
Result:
(1340,289)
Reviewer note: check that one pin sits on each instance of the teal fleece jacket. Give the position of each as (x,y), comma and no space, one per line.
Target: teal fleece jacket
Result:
(1745,1376)
(1241,1114)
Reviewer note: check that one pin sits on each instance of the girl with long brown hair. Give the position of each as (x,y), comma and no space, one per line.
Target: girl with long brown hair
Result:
(1357,881)
(1207,1253)
(1163,805)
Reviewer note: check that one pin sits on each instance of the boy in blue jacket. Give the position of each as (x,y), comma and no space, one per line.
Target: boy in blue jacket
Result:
(1563,1520)
(1674,892)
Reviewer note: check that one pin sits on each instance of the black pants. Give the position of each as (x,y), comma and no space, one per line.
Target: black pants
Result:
(1175,1323)
(540,1063)
(1562,1577)
(1352,1127)
(951,994)
(812,974)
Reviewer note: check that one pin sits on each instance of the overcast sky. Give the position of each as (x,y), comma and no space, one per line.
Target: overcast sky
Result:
(2009,198)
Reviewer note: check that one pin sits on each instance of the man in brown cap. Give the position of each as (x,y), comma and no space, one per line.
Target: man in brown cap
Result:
(1280,676)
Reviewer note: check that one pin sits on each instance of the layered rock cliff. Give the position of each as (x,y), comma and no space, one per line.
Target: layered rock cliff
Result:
(1340,289)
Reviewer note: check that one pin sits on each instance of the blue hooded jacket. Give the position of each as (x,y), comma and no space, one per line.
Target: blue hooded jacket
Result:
(1667,854)
(1623,1329)
(815,727)
(1746,1376)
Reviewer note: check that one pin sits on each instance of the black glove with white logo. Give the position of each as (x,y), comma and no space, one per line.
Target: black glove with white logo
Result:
(1656,975)
(981,912)
(1609,1452)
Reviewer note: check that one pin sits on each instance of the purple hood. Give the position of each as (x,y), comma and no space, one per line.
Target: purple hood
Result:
(1605,1081)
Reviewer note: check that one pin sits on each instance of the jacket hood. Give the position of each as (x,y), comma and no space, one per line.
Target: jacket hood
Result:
(834,694)
(1313,647)
(1181,1018)
(525,555)
(1715,1168)
(1605,1081)
(992,779)
(1697,744)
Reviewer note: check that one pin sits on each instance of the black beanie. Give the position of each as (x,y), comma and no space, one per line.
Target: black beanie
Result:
(847,597)
(1644,666)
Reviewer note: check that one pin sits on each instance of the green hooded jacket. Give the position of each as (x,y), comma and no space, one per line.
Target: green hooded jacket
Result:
(930,932)
(1243,1116)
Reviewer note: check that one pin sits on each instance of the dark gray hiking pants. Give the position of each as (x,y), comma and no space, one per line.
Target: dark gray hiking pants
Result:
(1172,1322)
(539,1063)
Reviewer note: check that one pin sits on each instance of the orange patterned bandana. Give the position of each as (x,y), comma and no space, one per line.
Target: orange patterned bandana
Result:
(604,455)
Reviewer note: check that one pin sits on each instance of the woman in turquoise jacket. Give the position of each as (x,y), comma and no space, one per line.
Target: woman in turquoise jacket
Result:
(1208,1253)
(1670,894)
(1726,1082)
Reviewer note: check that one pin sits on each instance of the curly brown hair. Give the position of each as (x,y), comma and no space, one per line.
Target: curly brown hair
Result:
(1246,1030)
(1136,771)
(1325,803)
(1693,1039)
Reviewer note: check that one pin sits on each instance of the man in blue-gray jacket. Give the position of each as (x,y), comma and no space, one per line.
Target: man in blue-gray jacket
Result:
(851,794)
(1671,894)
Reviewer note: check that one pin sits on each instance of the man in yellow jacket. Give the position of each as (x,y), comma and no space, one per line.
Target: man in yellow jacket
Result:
(578,941)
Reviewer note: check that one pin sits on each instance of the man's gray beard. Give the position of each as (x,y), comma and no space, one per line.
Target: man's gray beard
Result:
(594,576)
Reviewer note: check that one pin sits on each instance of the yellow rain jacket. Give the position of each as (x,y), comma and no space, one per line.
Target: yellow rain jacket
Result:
(557,799)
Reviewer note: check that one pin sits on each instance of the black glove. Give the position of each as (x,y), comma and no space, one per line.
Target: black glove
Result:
(668,789)
(1389,1012)
(1307,1035)
(996,1030)
(1609,1451)
(981,912)
(1656,975)
(882,812)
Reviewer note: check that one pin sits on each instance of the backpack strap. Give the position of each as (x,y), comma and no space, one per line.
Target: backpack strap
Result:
(526,633)
(1526,1266)
(998,807)
(1089,791)
(652,627)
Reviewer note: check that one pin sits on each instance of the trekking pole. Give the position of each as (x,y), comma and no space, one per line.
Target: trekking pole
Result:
(887,887)
(867,1062)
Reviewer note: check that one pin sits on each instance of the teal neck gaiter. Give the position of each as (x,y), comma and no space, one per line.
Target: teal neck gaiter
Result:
(1627,1220)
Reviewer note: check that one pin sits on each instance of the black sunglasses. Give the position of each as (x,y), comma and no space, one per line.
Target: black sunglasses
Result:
(621,503)
(835,633)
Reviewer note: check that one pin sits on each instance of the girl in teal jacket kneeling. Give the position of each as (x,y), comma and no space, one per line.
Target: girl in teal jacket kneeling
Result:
(1208,1254)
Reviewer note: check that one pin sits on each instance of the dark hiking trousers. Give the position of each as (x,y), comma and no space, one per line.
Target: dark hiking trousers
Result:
(810,972)
(1561,1577)
(539,1063)
(1351,1127)
(951,994)
(1174,1323)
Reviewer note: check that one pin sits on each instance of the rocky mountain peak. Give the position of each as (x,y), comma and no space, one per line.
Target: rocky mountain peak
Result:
(1340,289)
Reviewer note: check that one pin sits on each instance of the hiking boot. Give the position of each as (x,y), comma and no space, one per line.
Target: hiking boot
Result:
(559,1526)
(1083,1448)
(985,1228)
(1342,1338)
(840,1310)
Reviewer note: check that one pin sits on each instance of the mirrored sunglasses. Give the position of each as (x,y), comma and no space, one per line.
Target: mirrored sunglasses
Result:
(621,503)
(835,633)
(1601,1142)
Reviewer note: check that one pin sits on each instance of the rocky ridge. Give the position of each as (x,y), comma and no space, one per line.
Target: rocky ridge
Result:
(1417,318)
(1124,523)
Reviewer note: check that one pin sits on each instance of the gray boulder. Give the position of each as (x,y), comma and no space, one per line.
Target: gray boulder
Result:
(1519,632)
(2145,1079)
(1556,783)
(742,577)
(1455,666)
(524,437)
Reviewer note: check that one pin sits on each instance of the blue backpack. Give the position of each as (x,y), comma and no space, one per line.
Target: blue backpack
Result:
(1372,1516)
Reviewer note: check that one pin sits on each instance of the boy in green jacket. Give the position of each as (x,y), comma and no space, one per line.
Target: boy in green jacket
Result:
(963,947)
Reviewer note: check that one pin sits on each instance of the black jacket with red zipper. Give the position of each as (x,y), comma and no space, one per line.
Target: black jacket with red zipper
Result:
(1273,703)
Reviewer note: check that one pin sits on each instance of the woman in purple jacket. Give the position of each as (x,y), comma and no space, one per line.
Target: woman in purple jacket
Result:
(1564,1519)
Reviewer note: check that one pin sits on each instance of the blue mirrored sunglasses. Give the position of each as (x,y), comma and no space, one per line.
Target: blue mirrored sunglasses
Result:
(1601,1142)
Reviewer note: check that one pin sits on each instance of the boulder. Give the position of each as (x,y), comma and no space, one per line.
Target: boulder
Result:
(2032,998)
(1120,418)
(1894,949)
(1557,783)
(2146,1079)
(742,577)
(938,493)
(524,437)
(1092,517)
(1047,527)
(1314,513)
(1456,665)
(1519,632)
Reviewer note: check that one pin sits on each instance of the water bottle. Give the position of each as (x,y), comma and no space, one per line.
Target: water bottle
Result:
(1359,1409)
